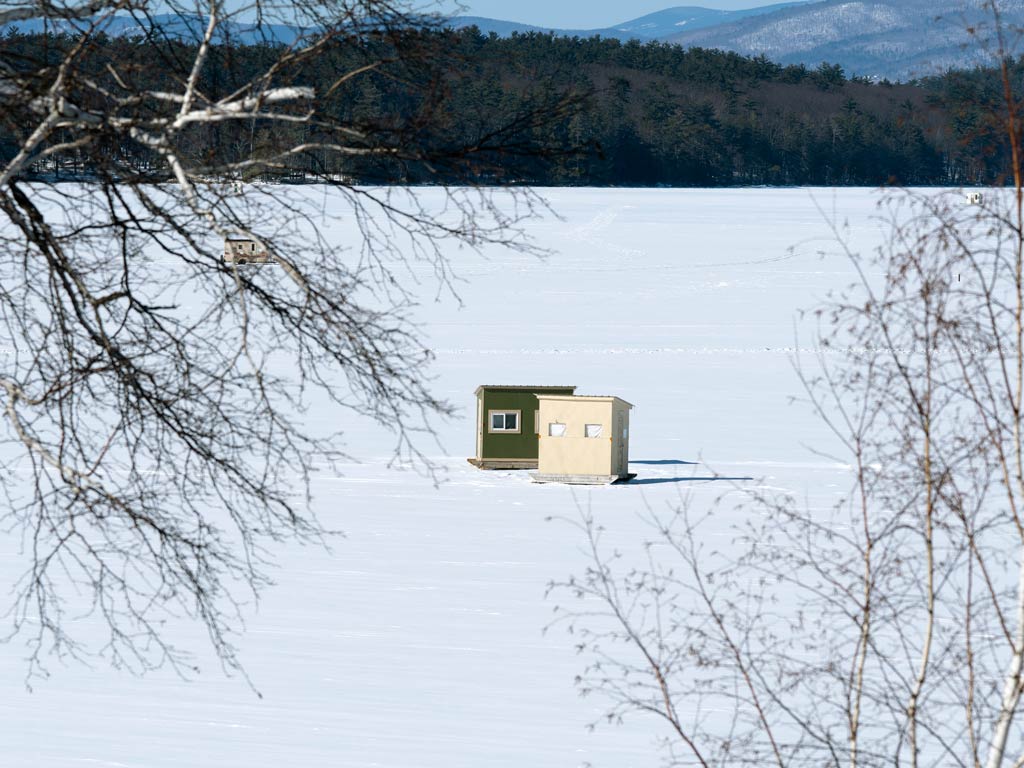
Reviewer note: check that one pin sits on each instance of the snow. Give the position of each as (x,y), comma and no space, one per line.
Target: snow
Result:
(417,641)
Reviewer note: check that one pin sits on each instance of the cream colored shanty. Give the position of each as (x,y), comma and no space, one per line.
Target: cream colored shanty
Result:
(583,439)
(240,251)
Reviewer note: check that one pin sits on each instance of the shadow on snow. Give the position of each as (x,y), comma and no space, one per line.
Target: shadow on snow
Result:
(664,462)
(659,480)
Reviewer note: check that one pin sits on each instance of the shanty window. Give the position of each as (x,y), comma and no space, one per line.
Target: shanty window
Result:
(504,421)
(556,430)
(594,430)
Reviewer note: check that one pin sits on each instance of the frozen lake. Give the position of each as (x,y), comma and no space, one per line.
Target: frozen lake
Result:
(418,641)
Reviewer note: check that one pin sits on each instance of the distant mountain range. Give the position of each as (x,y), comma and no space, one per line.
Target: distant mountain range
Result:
(882,38)
(898,39)
(174,26)
(654,26)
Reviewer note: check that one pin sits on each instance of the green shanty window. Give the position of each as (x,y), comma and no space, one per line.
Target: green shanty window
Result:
(505,421)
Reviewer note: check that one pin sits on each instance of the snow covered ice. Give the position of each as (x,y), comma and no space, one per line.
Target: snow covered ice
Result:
(417,641)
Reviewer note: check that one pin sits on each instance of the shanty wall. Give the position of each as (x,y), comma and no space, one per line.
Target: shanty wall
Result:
(503,445)
(574,453)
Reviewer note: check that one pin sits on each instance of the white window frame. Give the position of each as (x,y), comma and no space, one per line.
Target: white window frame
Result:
(600,430)
(551,428)
(490,422)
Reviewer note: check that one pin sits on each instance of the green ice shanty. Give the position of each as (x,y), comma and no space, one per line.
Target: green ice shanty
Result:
(507,426)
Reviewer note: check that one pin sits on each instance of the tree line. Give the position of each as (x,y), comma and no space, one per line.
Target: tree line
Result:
(540,109)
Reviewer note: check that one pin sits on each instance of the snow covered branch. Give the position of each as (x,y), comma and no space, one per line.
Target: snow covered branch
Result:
(50,10)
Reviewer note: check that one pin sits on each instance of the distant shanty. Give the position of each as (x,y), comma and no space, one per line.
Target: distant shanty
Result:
(579,439)
(243,251)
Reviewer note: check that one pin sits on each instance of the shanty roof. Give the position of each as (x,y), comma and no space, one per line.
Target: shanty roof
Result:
(524,387)
(587,397)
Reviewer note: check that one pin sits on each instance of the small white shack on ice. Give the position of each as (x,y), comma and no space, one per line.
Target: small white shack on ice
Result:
(243,251)
(583,439)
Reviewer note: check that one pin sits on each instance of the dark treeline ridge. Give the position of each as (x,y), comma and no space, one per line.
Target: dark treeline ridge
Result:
(637,115)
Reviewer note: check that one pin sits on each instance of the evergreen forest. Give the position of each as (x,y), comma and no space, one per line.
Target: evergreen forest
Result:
(545,110)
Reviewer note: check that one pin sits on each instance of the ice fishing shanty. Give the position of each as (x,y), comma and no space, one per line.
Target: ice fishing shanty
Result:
(244,251)
(508,426)
(583,439)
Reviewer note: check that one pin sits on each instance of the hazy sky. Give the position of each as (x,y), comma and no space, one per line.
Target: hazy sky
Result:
(586,14)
